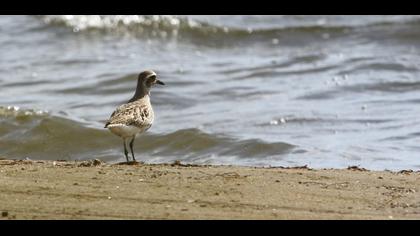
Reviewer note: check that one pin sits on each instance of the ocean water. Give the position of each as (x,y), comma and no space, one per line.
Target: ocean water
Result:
(322,91)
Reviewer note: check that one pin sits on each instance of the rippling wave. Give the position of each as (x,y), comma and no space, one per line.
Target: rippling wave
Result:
(158,26)
(173,26)
(39,135)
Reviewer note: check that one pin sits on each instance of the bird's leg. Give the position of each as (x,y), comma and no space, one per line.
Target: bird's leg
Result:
(125,151)
(131,147)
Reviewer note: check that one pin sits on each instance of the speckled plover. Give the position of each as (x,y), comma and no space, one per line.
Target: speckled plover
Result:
(136,116)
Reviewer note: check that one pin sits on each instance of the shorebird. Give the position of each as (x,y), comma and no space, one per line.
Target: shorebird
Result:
(136,116)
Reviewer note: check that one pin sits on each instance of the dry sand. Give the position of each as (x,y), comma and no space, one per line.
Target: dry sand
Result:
(95,190)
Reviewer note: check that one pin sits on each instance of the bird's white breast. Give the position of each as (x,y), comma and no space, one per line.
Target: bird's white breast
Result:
(125,131)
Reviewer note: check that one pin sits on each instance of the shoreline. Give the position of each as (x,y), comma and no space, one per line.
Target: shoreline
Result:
(97,190)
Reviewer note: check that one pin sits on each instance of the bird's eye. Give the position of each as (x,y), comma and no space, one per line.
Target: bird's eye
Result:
(150,80)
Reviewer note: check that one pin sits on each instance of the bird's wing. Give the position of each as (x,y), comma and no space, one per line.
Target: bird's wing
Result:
(128,114)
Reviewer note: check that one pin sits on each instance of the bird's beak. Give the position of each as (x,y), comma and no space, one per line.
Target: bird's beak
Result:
(160,82)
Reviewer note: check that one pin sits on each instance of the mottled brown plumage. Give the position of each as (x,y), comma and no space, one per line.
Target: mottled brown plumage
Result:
(138,113)
(136,116)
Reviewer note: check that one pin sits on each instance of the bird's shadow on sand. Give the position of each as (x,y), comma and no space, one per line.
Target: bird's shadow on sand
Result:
(130,163)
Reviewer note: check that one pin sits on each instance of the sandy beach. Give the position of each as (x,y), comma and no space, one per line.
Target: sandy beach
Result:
(97,190)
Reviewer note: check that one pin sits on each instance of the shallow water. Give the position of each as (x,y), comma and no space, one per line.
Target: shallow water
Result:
(322,91)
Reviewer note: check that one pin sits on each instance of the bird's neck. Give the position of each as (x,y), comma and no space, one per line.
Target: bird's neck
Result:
(141,93)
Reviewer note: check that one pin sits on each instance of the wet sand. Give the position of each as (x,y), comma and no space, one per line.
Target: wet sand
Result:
(96,190)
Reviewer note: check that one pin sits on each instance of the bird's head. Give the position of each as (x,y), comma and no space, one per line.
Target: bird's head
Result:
(148,78)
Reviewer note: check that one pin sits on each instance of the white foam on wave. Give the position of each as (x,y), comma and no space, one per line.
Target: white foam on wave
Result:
(83,22)
(17,111)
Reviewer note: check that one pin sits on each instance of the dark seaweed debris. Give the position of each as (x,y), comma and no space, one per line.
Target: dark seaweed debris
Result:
(95,162)
(356,168)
